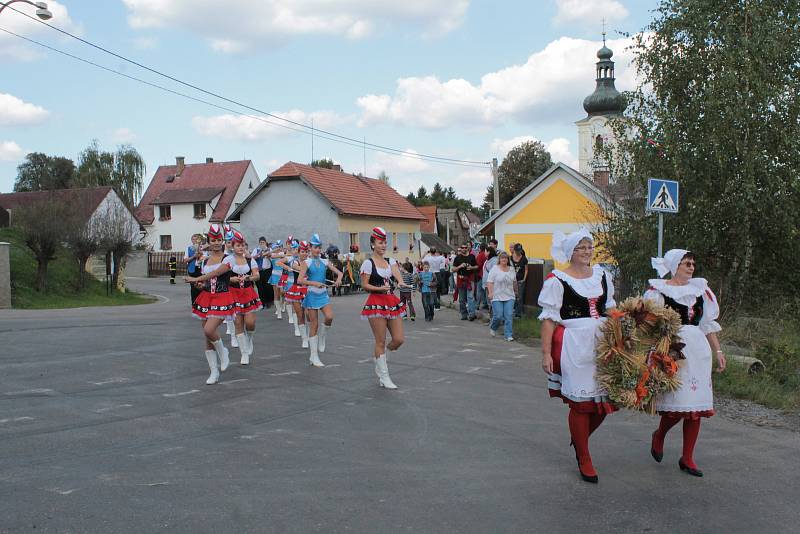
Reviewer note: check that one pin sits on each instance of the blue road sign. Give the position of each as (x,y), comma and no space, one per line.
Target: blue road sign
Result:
(662,195)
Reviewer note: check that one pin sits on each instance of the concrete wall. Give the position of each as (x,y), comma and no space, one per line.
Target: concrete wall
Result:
(5,276)
(289,207)
(136,264)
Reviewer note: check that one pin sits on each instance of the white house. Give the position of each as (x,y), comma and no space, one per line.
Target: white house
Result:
(183,199)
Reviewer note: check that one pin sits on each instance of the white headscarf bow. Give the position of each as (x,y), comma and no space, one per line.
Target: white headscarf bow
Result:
(564,245)
(669,263)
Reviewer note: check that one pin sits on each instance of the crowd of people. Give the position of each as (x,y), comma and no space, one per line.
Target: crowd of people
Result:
(230,283)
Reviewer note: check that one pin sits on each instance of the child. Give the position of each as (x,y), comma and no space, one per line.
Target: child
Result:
(406,293)
(427,287)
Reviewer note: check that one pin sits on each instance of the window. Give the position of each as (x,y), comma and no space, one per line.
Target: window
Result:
(353,239)
(199,211)
(411,241)
(598,142)
(166,242)
(394,241)
(164,213)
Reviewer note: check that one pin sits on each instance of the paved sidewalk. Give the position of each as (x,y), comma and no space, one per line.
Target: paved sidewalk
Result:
(106,425)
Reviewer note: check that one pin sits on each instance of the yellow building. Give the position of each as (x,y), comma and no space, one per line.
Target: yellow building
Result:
(561,199)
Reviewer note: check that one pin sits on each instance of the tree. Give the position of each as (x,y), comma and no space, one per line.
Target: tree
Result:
(124,170)
(324,163)
(41,172)
(43,225)
(523,164)
(117,237)
(718,109)
(83,237)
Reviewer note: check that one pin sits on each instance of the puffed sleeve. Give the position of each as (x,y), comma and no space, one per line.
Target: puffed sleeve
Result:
(708,323)
(366,267)
(550,299)
(655,296)
(229,261)
(610,302)
(253,265)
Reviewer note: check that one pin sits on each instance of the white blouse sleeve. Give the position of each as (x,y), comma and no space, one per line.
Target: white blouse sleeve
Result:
(228,260)
(253,264)
(366,267)
(550,299)
(655,296)
(708,323)
(610,302)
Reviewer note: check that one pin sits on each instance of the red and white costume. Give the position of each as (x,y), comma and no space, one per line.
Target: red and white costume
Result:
(216,299)
(244,293)
(385,305)
(296,292)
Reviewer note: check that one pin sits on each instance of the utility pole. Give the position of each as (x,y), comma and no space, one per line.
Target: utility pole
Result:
(495,185)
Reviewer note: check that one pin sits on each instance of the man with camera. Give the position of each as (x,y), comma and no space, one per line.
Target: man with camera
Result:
(464,267)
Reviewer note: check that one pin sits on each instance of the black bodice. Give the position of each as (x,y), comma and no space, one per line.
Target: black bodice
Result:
(575,306)
(686,318)
(219,284)
(375,279)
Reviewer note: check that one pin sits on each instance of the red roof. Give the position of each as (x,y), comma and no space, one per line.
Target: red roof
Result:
(226,176)
(428,226)
(188,196)
(86,199)
(352,195)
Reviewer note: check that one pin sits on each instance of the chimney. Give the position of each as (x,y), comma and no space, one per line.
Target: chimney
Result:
(180,162)
(600,178)
(337,167)
(209,160)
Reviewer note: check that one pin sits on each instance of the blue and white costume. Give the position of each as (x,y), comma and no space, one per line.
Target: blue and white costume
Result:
(317,297)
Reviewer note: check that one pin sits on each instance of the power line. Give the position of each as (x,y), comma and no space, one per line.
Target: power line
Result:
(305,127)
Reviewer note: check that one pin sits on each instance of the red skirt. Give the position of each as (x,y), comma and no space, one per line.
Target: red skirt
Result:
(385,305)
(579,406)
(295,293)
(246,299)
(282,280)
(208,304)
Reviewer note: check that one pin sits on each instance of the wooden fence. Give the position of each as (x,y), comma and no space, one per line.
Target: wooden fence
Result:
(158,263)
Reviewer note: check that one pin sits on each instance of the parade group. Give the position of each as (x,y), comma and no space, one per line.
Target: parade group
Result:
(576,303)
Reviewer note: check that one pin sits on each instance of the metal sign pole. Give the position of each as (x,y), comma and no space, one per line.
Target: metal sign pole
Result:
(660,234)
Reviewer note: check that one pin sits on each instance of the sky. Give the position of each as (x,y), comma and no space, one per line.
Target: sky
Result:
(460,79)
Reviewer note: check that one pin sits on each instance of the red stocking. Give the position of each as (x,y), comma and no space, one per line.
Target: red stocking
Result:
(595,420)
(579,424)
(667,422)
(691,429)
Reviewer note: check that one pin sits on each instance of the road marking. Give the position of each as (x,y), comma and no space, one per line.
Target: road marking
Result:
(434,329)
(182,393)
(467,350)
(60,491)
(157,373)
(15,419)
(497,362)
(228,382)
(285,374)
(516,349)
(153,484)
(439,380)
(365,361)
(471,344)
(36,391)
(116,380)
(160,297)
(519,356)
(476,369)
(109,408)
(272,356)
(333,365)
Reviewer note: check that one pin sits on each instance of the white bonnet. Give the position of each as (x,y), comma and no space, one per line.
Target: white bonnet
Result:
(669,263)
(564,244)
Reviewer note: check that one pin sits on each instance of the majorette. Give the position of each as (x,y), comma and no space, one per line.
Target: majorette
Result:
(699,309)
(574,305)
(296,293)
(244,274)
(215,302)
(383,308)
(274,280)
(312,274)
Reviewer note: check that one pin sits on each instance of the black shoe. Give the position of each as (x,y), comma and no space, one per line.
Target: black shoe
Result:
(691,470)
(657,456)
(463,318)
(472,318)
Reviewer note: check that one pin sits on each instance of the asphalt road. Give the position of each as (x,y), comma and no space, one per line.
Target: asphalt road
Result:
(106,425)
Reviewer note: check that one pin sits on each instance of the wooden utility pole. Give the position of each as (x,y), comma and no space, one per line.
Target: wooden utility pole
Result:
(496,185)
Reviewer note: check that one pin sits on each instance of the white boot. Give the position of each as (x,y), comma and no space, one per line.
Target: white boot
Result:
(297,332)
(243,349)
(234,341)
(250,334)
(304,334)
(290,313)
(222,352)
(323,334)
(211,356)
(314,359)
(382,370)
(279,310)
(229,329)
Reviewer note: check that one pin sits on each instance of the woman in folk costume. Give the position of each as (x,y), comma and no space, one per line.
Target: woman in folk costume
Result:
(296,292)
(244,272)
(699,310)
(215,302)
(289,278)
(574,304)
(383,309)
(288,253)
(312,274)
(230,329)
(274,280)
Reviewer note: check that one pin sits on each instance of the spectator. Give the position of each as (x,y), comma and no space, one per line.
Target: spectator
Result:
(406,293)
(463,268)
(436,263)
(480,297)
(332,254)
(501,288)
(520,264)
(427,287)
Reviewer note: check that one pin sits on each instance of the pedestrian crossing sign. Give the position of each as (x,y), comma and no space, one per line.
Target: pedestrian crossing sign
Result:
(662,195)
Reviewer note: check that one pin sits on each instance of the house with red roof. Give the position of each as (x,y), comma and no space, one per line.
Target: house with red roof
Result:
(183,199)
(342,208)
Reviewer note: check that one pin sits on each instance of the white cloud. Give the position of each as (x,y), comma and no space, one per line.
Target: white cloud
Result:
(14,49)
(550,85)
(145,43)
(243,24)
(559,148)
(250,128)
(123,135)
(16,112)
(10,151)
(407,163)
(585,11)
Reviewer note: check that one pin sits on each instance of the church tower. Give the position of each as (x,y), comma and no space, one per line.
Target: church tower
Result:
(593,132)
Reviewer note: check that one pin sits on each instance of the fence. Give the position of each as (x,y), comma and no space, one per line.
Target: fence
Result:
(158,263)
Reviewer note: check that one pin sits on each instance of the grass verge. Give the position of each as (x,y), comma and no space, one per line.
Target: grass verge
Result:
(62,278)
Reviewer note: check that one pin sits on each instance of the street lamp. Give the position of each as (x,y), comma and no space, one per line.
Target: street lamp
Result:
(41,8)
